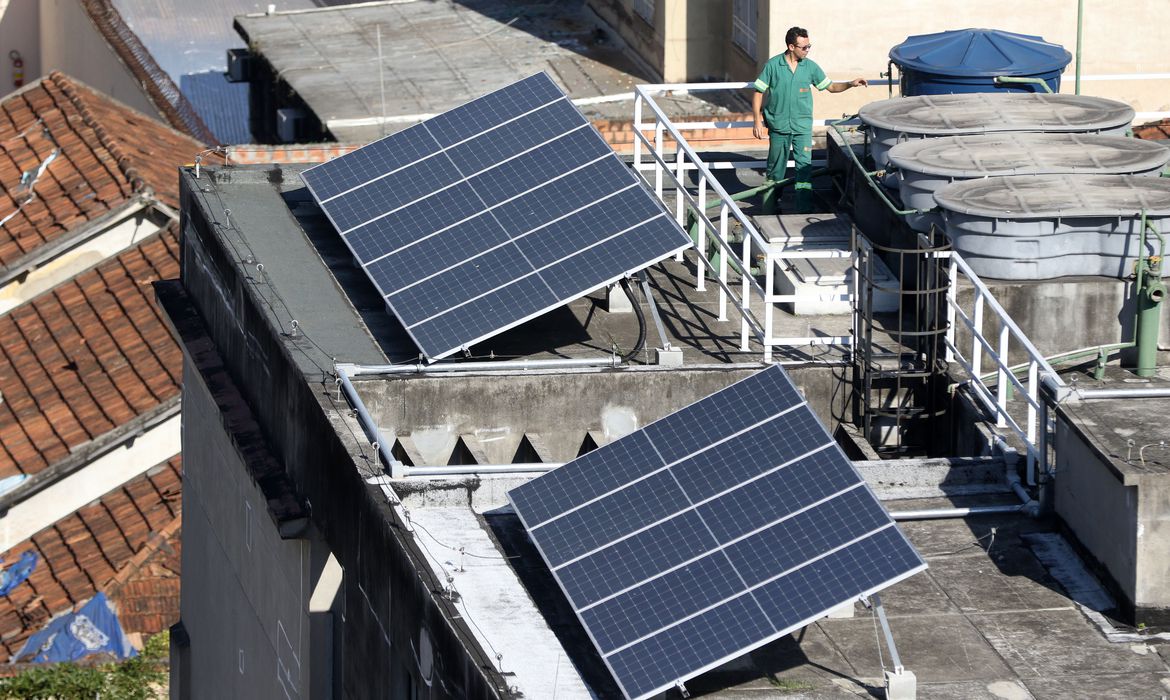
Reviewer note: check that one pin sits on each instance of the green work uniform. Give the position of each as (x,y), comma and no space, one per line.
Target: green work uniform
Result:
(788,110)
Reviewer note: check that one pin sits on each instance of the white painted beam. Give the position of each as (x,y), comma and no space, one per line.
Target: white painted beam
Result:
(131,459)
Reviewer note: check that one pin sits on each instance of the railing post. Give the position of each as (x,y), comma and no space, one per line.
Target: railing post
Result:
(1033,400)
(769,307)
(637,130)
(723,262)
(976,346)
(745,295)
(1003,388)
(952,304)
(701,235)
(679,184)
(658,128)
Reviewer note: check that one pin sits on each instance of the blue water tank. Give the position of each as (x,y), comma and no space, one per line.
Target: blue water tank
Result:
(968,60)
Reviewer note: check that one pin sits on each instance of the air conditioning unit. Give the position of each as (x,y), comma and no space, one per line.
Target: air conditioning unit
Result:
(239,65)
(289,121)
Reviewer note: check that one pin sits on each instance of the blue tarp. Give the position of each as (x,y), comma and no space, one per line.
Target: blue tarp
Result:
(18,573)
(92,630)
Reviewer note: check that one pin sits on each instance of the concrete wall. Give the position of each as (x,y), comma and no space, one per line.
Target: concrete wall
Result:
(494,412)
(1101,512)
(244,600)
(388,596)
(857,41)
(646,39)
(71,44)
(19,31)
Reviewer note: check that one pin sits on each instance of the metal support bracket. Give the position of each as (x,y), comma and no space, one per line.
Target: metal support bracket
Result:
(682,688)
(665,354)
(900,683)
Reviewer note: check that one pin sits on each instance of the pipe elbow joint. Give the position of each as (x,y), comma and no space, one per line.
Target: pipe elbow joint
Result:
(1156,291)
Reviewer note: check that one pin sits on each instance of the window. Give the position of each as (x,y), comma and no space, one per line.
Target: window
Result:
(744,16)
(645,10)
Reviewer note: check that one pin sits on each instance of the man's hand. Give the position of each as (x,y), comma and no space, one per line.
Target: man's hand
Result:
(858,82)
(758,129)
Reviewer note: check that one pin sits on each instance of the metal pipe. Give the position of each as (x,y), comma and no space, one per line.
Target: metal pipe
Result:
(465,469)
(364,418)
(1080,25)
(502,366)
(1089,394)
(1013,80)
(942,513)
(836,126)
(1149,294)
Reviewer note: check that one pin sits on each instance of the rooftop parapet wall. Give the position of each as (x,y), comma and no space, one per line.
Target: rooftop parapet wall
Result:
(280,378)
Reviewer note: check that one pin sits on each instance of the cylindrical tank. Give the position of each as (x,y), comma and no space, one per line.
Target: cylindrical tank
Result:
(1038,227)
(968,60)
(926,165)
(927,116)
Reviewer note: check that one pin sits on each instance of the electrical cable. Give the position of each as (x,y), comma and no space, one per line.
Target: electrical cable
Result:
(641,322)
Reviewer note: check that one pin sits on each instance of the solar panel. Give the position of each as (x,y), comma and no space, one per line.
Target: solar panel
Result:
(711,532)
(483,217)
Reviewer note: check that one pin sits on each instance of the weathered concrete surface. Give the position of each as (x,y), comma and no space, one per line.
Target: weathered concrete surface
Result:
(502,408)
(986,620)
(1113,491)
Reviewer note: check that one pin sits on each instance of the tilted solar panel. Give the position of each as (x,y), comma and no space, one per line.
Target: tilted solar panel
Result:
(710,532)
(483,217)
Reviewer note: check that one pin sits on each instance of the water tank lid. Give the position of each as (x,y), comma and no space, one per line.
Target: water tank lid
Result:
(978,112)
(1056,196)
(979,53)
(1016,153)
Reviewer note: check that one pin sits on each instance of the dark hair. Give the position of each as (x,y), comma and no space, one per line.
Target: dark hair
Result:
(790,37)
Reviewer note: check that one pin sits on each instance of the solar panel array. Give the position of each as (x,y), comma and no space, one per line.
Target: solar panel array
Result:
(488,215)
(710,532)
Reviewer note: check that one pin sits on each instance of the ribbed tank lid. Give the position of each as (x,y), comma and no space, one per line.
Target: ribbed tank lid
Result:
(1056,196)
(1014,153)
(978,112)
(979,53)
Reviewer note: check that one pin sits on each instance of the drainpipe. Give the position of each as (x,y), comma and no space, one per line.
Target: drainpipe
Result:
(1012,80)
(1150,292)
(836,126)
(506,366)
(1028,505)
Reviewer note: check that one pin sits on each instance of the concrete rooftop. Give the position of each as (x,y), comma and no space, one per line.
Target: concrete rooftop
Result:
(330,57)
(993,616)
(1006,610)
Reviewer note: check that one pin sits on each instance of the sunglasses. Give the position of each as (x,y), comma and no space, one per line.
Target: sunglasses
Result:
(806,47)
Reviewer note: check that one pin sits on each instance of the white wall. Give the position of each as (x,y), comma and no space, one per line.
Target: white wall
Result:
(1116,40)
(72,44)
(19,20)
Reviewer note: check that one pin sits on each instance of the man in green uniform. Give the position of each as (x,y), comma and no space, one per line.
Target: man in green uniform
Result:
(783,109)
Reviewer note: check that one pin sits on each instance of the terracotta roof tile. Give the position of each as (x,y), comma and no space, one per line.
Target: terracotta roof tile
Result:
(126,544)
(85,358)
(108,151)
(1154,130)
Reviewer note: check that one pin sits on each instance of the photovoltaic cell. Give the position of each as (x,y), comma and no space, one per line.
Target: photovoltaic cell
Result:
(710,532)
(491,214)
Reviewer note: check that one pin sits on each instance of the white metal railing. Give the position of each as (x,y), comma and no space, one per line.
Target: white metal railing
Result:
(1031,428)
(675,167)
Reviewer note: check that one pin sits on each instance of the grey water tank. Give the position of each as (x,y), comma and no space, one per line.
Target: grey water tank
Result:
(924,165)
(907,118)
(1033,227)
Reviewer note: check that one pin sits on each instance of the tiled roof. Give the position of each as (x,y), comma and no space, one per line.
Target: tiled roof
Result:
(126,544)
(160,89)
(108,152)
(1153,130)
(86,358)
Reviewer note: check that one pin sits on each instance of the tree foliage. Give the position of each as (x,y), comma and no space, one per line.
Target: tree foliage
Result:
(140,678)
